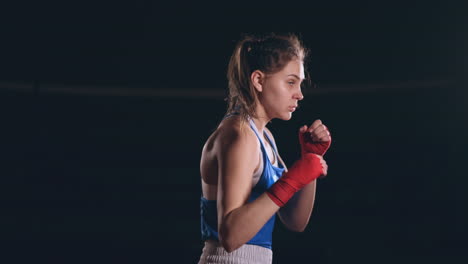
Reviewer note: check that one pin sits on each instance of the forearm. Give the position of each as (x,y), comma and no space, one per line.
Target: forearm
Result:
(241,224)
(296,213)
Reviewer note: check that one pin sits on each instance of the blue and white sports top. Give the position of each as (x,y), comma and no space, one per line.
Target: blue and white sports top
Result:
(270,174)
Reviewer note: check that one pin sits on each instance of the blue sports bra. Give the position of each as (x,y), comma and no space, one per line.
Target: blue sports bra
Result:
(270,174)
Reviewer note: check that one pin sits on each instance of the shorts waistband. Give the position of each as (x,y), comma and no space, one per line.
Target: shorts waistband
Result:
(213,252)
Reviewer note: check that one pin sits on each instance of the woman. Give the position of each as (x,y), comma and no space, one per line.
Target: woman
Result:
(244,181)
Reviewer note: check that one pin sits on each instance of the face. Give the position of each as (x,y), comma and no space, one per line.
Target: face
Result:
(281,91)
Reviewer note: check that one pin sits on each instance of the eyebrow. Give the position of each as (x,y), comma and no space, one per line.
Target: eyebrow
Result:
(297,77)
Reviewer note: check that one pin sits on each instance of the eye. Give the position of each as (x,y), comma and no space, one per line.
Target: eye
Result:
(291,82)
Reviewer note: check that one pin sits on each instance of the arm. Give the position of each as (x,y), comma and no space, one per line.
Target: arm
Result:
(238,220)
(314,139)
(296,213)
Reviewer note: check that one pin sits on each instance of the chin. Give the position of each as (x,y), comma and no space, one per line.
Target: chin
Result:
(286,116)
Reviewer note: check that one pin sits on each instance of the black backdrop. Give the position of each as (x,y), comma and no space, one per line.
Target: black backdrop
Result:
(106,108)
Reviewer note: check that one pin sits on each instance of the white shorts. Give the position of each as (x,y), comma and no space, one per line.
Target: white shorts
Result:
(214,253)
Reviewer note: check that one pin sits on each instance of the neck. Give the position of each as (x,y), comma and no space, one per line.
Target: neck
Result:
(261,120)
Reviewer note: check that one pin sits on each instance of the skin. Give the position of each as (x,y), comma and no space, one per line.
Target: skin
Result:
(231,156)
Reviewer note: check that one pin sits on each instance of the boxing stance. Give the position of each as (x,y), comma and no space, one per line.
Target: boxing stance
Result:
(245,183)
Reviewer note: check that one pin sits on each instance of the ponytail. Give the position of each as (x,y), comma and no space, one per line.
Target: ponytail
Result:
(268,54)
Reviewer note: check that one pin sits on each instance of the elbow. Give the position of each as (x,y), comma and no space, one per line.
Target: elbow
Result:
(297,228)
(229,247)
(295,224)
(227,241)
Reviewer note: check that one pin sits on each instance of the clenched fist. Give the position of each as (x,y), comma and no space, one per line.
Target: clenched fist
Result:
(314,139)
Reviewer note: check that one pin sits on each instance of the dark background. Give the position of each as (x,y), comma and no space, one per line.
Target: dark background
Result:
(106,107)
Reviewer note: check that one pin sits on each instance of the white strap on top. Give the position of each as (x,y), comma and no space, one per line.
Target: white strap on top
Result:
(252,124)
(258,173)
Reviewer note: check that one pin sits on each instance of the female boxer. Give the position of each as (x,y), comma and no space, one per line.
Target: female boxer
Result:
(245,184)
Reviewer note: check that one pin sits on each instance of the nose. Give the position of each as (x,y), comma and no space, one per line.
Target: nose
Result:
(299,96)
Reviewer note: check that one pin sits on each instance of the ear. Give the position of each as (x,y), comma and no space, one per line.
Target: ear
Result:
(257,78)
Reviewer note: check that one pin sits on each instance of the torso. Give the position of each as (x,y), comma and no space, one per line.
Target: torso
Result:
(209,161)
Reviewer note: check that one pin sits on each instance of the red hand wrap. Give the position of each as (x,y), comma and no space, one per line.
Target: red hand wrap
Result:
(302,172)
(309,146)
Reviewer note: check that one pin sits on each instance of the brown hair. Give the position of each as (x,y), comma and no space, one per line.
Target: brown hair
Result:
(269,54)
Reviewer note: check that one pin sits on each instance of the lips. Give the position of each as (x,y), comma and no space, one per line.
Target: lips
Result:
(292,108)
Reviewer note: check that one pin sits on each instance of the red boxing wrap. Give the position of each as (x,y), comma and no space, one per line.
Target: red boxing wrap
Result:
(302,172)
(309,146)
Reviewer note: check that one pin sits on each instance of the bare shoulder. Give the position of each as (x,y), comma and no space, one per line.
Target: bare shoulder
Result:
(238,155)
(232,134)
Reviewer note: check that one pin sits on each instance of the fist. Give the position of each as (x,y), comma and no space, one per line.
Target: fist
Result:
(314,139)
